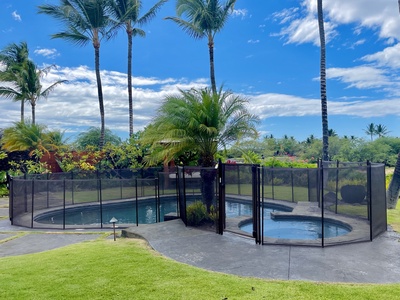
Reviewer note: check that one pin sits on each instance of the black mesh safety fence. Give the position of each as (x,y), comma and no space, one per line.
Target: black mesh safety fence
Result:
(377,193)
(238,203)
(90,201)
(198,197)
(339,202)
(345,204)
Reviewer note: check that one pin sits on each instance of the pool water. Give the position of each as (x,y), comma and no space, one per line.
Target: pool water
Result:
(124,212)
(299,229)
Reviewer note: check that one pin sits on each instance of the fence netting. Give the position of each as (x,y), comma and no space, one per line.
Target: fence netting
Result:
(336,203)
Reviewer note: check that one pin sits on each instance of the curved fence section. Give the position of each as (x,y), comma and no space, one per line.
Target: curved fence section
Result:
(92,199)
(336,203)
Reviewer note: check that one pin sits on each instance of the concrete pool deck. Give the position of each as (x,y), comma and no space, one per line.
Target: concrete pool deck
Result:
(368,262)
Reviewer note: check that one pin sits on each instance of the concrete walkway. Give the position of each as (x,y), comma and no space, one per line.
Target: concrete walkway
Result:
(369,262)
(15,240)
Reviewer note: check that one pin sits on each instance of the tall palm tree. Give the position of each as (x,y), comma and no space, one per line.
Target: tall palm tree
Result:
(127,14)
(204,18)
(14,57)
(370,130)
(324,102)
(85,21)
(393,191)
(32,88)
(28,87)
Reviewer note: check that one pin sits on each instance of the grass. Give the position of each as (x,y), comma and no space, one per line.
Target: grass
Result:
(129,269)
(393,216)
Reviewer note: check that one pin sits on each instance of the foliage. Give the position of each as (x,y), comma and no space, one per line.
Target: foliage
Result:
(287,162)
(91,138)
(28,137)
(196,213)
(85,22)
(126,13)
(32,166)
(14,57)
(198,121)
(3,185)
(85,160)
(23,77)
(127,155)
(203,19)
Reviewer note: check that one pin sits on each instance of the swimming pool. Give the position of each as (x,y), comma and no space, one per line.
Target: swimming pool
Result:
(125,212)
(300,228)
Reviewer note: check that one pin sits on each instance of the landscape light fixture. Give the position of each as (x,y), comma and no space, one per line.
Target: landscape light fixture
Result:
(113,221)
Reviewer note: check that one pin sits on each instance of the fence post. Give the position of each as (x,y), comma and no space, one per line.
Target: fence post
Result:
(10,197)
(291,179)
(272,182)
(369,199)
(137,204)
(221,205)
(337,185)
(101,202)
(156,195)
(256,202)
(322,208)
(64,203)
(33,199)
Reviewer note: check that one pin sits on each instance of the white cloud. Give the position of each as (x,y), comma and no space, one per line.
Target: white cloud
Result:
(389,57)
(281,105)
(74,106)
(242,13)
(362,77)
(16,16)
(299,23)
(253,41)
(50,53)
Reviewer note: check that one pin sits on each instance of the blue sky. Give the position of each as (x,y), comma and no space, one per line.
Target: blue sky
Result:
(267,52)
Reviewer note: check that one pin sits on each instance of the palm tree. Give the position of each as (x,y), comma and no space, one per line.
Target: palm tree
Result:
(86,21)
(393,191)
(324,102)
(381,130)
(127,14)
(28,86)
(205,18)
(332,132)
(27,137)
(370,130)
(199,121)
(14,57)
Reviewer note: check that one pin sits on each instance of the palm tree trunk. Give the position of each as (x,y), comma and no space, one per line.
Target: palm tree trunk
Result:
(324,104)
(393,191)
(208,175)
(212,73)
(129,31)
(22,111)
(100,94)
(33,104)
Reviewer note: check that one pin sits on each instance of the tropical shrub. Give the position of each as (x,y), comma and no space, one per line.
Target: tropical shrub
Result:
(3,184)
(196,213)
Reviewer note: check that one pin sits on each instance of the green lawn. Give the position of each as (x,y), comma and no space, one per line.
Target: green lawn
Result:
(128,269)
